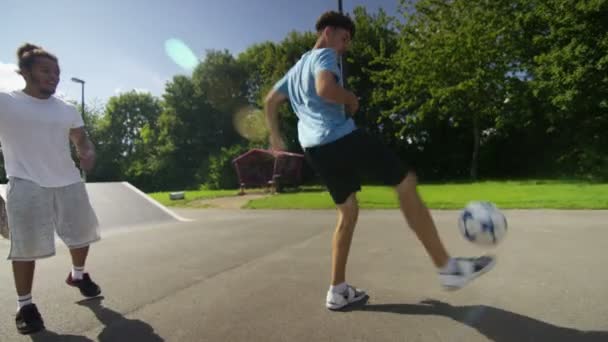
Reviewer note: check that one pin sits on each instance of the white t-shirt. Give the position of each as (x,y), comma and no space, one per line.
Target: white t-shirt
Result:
(34,135)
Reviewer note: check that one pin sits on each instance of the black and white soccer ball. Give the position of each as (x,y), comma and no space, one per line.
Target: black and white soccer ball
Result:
(482,223)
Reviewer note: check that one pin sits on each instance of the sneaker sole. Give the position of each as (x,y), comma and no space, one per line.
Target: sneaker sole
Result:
(459,282)
(30,331)
(84,295)
(336,307)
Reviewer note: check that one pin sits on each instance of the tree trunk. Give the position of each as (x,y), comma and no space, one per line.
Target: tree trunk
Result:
(476,142)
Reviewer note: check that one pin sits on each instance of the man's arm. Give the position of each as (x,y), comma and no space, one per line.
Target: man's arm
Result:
(271,108)
(84,147)
(328,88)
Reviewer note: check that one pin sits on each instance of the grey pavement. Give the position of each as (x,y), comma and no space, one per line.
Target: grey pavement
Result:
(244,275)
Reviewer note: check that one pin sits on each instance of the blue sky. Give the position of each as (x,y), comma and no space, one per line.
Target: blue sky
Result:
(119,45)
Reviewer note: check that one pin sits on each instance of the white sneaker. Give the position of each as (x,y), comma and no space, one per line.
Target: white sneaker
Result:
(465,270)
(336,301)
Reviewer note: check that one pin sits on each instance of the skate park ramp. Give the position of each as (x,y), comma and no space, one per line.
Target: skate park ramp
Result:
(120,204)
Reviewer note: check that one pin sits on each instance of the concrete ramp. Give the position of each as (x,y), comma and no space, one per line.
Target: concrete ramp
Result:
(120,204)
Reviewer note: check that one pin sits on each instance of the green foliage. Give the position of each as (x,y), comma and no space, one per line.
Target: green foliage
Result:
(192,197)
(570,70)
(266,63)
(451,72)
(460,89)
(222,172)
(185,134)
(122,137)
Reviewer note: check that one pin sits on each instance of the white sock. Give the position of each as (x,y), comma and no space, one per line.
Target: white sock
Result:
(24,300)
(450,267)
(77,272)
(340,288)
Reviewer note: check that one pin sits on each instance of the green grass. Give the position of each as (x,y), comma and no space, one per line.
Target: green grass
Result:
(191,197)
(506,194)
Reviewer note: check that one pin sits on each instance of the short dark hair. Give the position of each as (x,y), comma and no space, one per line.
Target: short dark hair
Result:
(335,19)
(27,54)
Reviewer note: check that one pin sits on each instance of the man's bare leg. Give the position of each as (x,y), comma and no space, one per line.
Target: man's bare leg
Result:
(348,212)
(419,219)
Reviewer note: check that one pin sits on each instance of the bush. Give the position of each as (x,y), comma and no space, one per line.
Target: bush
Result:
(222,174)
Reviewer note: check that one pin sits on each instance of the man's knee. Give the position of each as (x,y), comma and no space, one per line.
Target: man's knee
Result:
(408,185)
(349,210)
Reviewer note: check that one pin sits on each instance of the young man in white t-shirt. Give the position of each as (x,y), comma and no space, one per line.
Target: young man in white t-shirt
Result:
(45,191)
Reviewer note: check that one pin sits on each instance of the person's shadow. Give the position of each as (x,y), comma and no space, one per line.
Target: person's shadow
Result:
(118,327)
(49,336)
(496,324)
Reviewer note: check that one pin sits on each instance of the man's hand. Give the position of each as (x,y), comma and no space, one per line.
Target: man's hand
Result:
(352,106)
(87,160)
(84,147)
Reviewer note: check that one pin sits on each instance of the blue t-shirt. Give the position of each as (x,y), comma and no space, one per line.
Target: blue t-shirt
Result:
(319,121)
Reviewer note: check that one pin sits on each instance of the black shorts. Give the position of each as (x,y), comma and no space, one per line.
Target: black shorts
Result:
(342,163)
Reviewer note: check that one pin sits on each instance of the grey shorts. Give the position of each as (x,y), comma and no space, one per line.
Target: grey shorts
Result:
(35,213)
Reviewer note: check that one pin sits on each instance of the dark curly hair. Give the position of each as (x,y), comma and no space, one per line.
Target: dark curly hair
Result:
(335,19)
(28,53)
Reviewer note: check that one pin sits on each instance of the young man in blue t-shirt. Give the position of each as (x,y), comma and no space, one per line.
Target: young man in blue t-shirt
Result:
(341,153)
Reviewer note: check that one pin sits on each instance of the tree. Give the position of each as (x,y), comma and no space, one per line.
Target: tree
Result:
(375,42)
(184,135)
(222,82)
(569,74)
(265,64)
(122,149)
(449,73)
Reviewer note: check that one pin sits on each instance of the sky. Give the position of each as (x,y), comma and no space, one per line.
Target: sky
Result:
(119,45)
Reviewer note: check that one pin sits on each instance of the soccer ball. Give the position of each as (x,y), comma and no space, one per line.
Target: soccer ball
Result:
(482,223)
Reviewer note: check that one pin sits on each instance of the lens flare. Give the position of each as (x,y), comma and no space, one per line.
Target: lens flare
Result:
(181,54)
(250,124)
